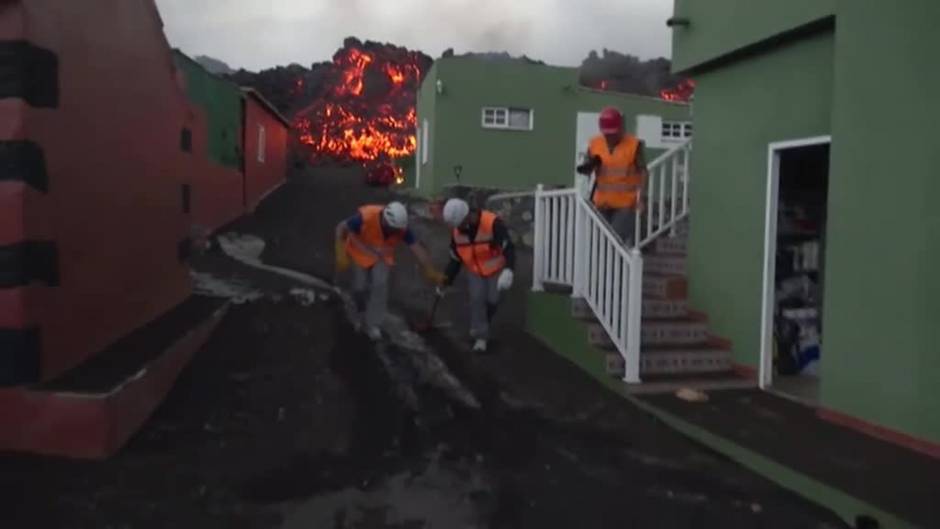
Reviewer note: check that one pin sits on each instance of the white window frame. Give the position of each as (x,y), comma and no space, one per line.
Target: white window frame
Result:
(504,123)
(684,128)
(425,138)
(262,143)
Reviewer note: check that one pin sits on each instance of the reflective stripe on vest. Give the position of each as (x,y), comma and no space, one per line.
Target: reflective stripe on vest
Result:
(480,256)
(618,182)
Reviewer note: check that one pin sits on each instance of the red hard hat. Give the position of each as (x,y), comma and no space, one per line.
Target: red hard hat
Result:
(611,121)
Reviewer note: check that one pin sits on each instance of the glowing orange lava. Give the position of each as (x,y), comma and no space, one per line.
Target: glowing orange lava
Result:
(367,109)
(682,93)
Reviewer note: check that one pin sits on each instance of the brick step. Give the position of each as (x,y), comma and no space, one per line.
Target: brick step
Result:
(665,287)
(679,361)
(667,245)
(664,308)
(664,264)
(681,229)
(657,334)
(652,309)
(685,331)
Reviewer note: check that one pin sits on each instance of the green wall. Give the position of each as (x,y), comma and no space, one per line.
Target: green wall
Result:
(548,318)
(739,110)
(720,26)
(427,103)
(508,159)
(881,350)
(882,310)
(222,102)
(504,159)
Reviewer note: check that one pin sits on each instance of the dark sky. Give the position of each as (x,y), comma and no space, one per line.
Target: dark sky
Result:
(258,34)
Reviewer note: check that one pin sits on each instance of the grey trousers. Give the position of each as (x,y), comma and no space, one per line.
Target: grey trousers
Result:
(370,290)
(623,221)
(484,297)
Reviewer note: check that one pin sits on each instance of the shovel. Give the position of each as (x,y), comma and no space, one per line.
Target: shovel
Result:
(427,325)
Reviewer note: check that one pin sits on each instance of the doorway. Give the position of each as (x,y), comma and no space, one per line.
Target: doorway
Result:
(794,268)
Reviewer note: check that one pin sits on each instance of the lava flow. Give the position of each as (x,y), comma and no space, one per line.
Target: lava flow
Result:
(365,109)
(682,93)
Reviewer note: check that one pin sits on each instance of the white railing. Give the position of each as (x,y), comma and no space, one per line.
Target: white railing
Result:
(575,247)
(666,195)
(554,258)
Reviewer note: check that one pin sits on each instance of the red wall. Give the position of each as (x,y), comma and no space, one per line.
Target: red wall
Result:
(115,166)
(263,177)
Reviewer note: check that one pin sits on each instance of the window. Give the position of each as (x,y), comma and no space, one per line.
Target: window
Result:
(424,142)
(262,140)
(186,140)
(507,118)
(676,131)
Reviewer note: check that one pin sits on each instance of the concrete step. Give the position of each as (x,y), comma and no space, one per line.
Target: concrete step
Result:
(664,264)
(673,332)
(680,361)
(665,287)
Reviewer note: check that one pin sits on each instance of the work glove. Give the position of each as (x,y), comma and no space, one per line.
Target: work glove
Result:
(342,258)
(435,276)
(505,280)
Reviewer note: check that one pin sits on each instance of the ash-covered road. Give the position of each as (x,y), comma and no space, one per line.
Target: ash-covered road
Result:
(288,418)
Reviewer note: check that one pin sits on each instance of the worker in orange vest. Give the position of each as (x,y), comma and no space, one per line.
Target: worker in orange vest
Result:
(480,243)
(616,160)
(369,238)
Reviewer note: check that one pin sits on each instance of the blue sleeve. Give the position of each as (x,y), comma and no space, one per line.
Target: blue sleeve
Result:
(354,223)
(410,238)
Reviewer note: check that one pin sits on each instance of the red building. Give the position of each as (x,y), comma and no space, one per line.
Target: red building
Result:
(265,142)
(93,218)
(97,191)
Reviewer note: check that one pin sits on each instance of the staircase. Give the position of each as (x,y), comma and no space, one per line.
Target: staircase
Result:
(634,301)
(675,342)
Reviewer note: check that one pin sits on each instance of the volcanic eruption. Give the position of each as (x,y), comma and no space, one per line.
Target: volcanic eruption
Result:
(364,108)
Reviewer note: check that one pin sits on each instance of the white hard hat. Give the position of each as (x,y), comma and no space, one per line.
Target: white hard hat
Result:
(455,211)
(395,215)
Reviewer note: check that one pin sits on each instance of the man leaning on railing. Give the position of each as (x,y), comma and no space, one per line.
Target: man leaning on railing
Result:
(616,160)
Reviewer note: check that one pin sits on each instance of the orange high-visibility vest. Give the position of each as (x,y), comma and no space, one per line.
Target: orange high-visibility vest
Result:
(618,180)
(481,256)
(370,244)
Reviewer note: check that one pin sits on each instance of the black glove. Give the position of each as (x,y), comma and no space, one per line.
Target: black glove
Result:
(588,167)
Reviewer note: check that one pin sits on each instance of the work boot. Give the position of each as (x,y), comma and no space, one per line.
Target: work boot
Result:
(479,346)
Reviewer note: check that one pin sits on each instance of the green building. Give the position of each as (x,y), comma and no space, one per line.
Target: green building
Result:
(511,125)
(815,128)
(221,100)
